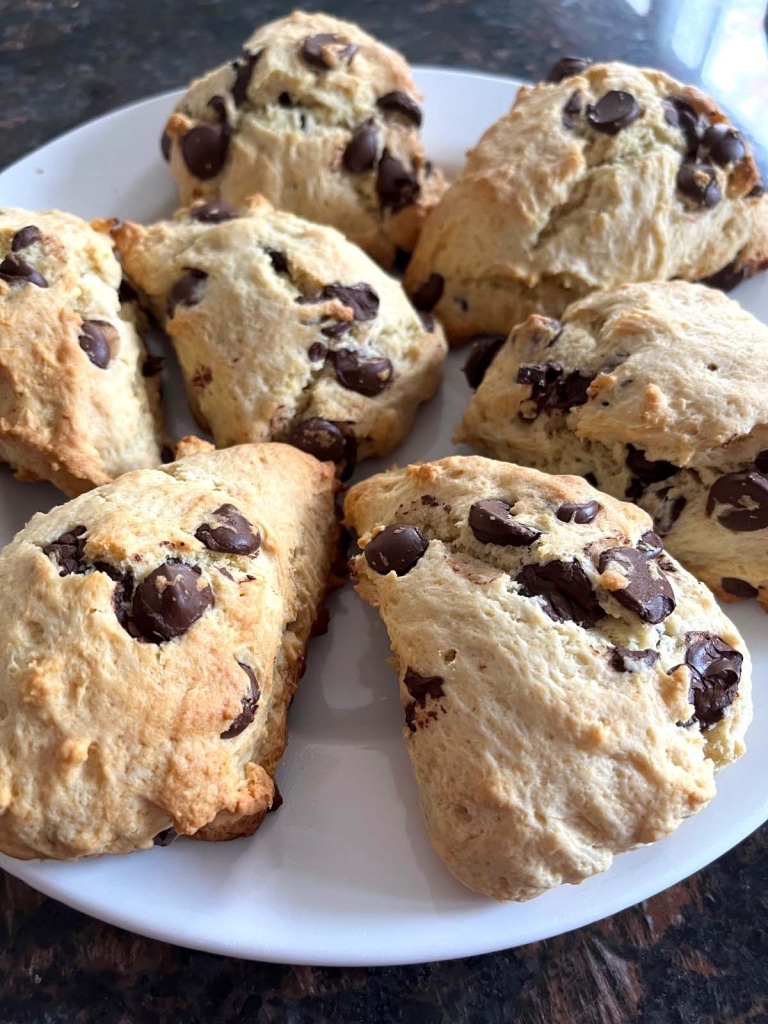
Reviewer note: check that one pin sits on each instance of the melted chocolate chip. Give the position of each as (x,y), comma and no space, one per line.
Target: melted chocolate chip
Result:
(367,375)
(429,294)
(552,388)
(68,550)
(420,687)
(744,497)
(166,837)
(243,68)
(165,146)
(648,593)
(565,589)
(481,355)
(724,144)
(187,291)
(228,531)
(249,705)
(360,153)
(670,512)
(573,512)
(650,544)
(204,149)
(572,109)
(566,67)
(213,212)
(396,187)
(16,270)
(314,50)
(317,352)
(680,114)
(698,182)
(396,549)
(715,675)
(318,437)
(738,588)
(360,298)
(614,111)
(25,237)
(278,260)
(492,522)
(644,471)
(398,102)
(728,277)
(93,341)
(169,601)
(624,660)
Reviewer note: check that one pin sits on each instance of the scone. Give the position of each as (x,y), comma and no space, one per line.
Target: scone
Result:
(285,330)
(154,634)
(569,690)
(79,404)
(322,120)
(658,392)
(602,177)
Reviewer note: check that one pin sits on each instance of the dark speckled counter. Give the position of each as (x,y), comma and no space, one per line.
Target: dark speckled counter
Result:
(695,954)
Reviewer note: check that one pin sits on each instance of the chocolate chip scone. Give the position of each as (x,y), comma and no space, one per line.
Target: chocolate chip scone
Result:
(75,407)
(157,631)
(321,119)
(601,176)
(657,391)
(569,690)
(285,330)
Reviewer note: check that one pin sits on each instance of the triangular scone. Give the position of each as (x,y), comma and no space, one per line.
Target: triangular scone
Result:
(159,628)
(321,119)
(280,324)
(593,179)
(75,406)
(569,690)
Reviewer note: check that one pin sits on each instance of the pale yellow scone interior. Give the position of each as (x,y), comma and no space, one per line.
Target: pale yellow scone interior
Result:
(75,407)
(557,199)
(136,706)
(662,395)
(560,699)
(320,118)
(277,322)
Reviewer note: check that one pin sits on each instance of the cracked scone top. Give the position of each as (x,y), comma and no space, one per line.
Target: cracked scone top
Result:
(158,631)
(75,407)
(569,690)
(322,120)
(658,391)
(614,175)
(285,330)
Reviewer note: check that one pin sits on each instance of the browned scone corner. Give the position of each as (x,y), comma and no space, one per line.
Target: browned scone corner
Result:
(160,626)
(602,175)
(569,690)
(78,405)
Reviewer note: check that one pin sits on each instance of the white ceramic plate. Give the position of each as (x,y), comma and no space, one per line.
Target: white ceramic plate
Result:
(343,874)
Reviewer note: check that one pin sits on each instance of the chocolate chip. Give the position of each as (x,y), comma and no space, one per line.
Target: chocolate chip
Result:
(725,145)
(573,512)
(318,437)
(126,292)
(243,68)
(16,270)
(336,329)
(168,601)
(728,277)
(572,109)
(396,187)
(715,675)
(698,182)
(314,50)
(670,512)
(650,544)
(396,549)
(360,298)
(644,471)
(165,146)
(367,375)
(360,153)
(624,660)
(229,531)
(187,291)
(680,114)
(420,687)
(614,111)
(745,497)
(249,704)
(738,588)
(317,352)
(278,260)
(492,522)
(552,388)
(648,593)
(152,365)
(219,106)
(427,322)
(25,237)
(68,550)
(213,212)
(93,342)
(122,597)
(566,591)
(204,149)
(566,67)
(166,837)
(429,294)
(398,102)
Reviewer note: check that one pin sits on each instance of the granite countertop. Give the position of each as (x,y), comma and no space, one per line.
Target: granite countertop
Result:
(695,954)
